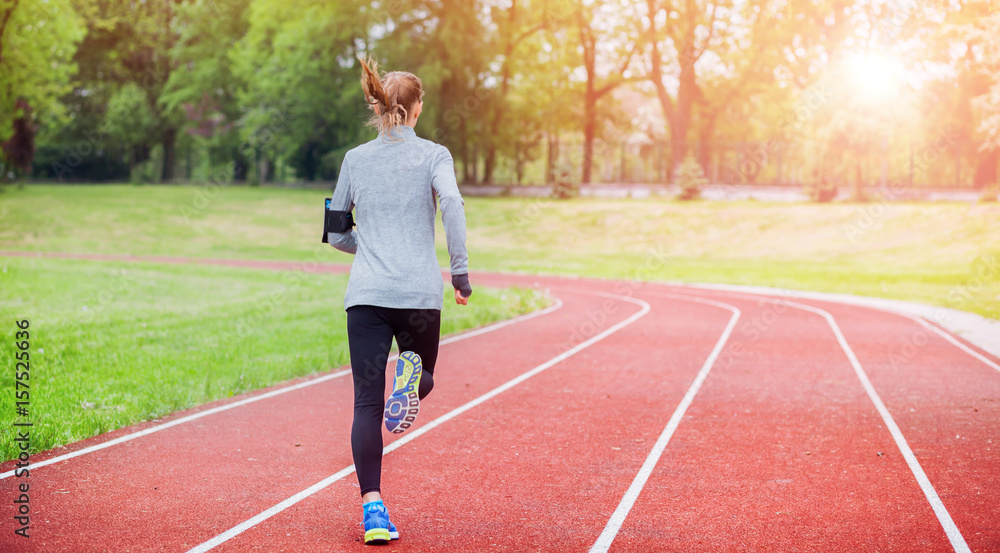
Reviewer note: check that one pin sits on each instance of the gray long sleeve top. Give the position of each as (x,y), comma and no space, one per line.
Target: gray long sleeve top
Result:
(394,188)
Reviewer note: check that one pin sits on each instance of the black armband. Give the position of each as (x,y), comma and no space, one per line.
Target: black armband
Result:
(336,221)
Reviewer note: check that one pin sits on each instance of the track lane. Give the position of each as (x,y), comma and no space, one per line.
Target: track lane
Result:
(413,434)
(243,459)
(541,469)
(628,500)
(947,405)
(961,465)
(945,397)
(779,452)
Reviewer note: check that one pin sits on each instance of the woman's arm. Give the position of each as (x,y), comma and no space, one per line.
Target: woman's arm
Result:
(344,241)
(453,217)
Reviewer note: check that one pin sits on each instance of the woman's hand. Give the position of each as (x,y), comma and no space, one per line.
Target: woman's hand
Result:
(462,288)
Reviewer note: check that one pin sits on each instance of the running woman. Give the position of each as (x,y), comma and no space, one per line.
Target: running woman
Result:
(394,185)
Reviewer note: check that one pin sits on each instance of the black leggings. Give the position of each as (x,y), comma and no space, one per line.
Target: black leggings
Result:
(370,331)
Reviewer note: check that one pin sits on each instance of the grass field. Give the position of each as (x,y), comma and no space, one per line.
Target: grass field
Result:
(116,343)
(942,253)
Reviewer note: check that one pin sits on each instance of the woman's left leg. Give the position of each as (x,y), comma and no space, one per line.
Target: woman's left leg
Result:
(369,335)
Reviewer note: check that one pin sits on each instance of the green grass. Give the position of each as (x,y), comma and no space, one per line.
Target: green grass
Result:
(116,343)
(942,253)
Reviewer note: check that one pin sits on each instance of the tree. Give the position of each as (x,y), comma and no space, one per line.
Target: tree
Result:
(204,85)
(740,81)
(688,36)
(19,150)
(125,43)
(129,121)
(299,85)
(514,26)
(37,43)
(984,48)
(717,61)
(448,44)
(595,36)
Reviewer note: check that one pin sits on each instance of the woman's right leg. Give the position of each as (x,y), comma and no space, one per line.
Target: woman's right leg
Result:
(419,331)
(369,337)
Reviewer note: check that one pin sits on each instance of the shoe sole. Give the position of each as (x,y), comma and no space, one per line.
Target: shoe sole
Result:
(404,403)
(377,535)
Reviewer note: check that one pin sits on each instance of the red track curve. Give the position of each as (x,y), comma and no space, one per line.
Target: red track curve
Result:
(780,448)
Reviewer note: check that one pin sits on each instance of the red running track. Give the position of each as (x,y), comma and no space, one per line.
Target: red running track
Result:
(628,417)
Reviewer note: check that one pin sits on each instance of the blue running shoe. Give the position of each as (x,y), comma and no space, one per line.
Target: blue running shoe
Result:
(378,528)
(404,403)
(393,532)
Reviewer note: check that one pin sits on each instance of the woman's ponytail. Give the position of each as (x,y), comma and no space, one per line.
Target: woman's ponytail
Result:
(390,96)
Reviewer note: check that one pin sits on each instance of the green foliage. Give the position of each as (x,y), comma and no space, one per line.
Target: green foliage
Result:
(302,97)
(564,186)
(36,51)
(129,119)
(203,84)
(690,178)
(267,89)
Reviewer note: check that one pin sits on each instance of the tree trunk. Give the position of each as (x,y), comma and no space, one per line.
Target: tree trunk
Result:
(475,162)
(170,134)
(466,166)
(169,154)
(589,130)
(489,161)
(518,163)
(552,158)
(678,117)
(4,19)
(859,191)
(685,99)
(705,147)
(656,76)
(467,154)
(986,169)
(589,44)
(264,169)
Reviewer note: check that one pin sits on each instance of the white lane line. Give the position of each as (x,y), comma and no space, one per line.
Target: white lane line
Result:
(147,431)
(952,339)
(604,541)
(947,335)
(410,436)
(950,529)
(944,518)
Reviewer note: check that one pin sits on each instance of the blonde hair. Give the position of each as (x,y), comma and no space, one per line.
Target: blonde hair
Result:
(394,94)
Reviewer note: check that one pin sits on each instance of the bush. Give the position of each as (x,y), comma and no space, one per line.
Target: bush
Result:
(690,178)
(990,193)
(821,191)
(563,186)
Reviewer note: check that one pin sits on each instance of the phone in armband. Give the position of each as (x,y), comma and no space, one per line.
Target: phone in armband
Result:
(335,221)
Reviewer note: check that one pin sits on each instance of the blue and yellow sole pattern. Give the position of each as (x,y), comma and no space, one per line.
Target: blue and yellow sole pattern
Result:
(404,403)
(377,535)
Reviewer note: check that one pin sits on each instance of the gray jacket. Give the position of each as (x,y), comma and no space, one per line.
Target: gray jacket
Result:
(394,187)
